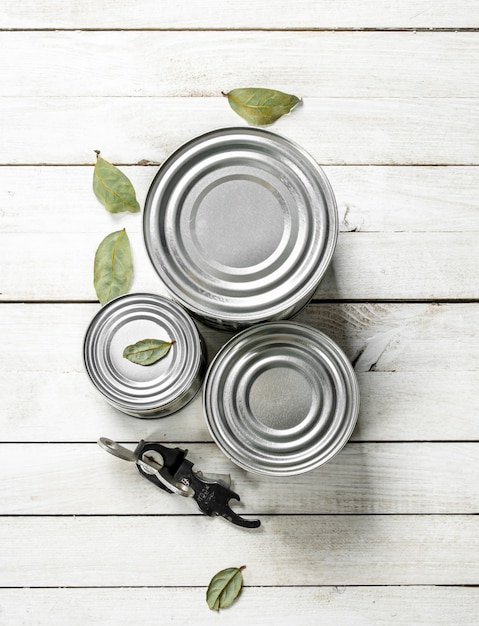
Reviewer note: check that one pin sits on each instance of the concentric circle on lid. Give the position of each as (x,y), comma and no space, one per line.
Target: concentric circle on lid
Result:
(281,399)
(144,391)
(240,224)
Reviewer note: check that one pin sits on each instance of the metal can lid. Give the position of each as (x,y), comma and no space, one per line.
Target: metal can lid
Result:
(240,224)
(280,399)
(126,320)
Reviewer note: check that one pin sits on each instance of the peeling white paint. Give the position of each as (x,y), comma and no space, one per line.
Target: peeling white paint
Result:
(374,349)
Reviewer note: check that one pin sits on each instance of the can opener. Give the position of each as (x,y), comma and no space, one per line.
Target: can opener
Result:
(168,469)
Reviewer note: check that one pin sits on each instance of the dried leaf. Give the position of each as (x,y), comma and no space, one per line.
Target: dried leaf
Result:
(224,588)
(113,268)
(147,351)
(112,188)
(259,106)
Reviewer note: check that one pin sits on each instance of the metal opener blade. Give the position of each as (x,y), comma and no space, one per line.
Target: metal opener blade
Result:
(169,469)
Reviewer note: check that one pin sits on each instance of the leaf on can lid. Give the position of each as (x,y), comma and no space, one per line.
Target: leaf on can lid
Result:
(224,588)
(112,188)
(147,351)
(259,106)
(113,267)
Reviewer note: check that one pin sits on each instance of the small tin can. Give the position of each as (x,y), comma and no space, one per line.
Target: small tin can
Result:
(280,399)
(241,225)
(148,391)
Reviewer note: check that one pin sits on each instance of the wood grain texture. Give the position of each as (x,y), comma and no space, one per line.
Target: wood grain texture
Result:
(417,338)
(377,266)
(387,532)
(336,131)
(285,550)
(308,606)
(81,479)
(370,199)
(377,337)
(417,366)
(179,64)
(248,14)
(45,406)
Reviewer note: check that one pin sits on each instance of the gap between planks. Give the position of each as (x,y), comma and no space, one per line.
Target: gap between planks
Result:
(314,301)
(254,513)
(285,586)
(158,163)
(341,29)
(209,442)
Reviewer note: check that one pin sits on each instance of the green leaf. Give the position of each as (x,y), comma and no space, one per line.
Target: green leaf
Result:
(147,351)
(113,188)
(224,588)
(259,106)
(113,268)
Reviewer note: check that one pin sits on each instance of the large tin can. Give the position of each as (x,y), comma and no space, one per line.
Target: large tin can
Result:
(280,399)
(241,225)
(154,390)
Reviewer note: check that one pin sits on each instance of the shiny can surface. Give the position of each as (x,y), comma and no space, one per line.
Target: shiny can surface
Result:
(241,225)
(280,399)
(155,390)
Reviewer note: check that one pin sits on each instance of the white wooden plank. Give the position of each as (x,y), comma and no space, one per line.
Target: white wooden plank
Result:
(395,406)
(58,267)
(354,64)
(385,199)
(418,406)
(66,479)
(402,266)
(424,360)
(334,130)
(262,606)
(406,198)
(64,406)
(62,326)
(365,266)
(39,199)
(286,550)
(416,338)
(380,337)
(248,14)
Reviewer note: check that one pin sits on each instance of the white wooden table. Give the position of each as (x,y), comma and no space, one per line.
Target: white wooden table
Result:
(386,533)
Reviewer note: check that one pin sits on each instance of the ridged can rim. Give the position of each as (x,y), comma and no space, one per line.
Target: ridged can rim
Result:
(240,224)
(144,391)
(280,399)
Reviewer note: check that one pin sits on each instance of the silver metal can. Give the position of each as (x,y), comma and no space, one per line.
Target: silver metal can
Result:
(241,225)
(149,391)
(280,399)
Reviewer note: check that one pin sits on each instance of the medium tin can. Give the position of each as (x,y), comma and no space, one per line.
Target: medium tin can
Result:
(280,399)
(241,225)
(148,391)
